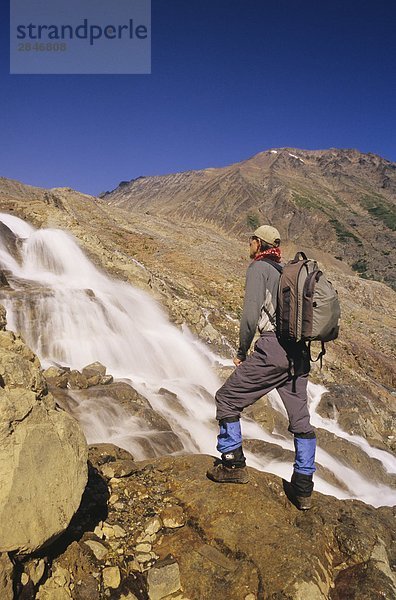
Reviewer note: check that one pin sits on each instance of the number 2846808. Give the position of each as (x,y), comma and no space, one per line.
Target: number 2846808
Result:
(42,47)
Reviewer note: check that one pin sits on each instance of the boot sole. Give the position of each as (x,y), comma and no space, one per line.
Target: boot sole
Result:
(212,478)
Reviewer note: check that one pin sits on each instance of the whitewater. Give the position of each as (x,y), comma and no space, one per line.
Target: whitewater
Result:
(72,314)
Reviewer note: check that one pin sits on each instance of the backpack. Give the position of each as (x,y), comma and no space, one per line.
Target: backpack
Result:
(308,307)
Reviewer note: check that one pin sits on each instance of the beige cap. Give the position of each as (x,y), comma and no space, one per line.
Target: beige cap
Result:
(267,234)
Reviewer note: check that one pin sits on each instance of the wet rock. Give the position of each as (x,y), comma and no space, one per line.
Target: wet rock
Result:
(6,575)
(270,419)
(120,392)
(163,579)
(76,381)
(93,369)
(56,376)
(10,241)
(95,374)
(111,461)
(4,283)
(155,430)
(94,380)
(359,411)
(53,372)
(353,456)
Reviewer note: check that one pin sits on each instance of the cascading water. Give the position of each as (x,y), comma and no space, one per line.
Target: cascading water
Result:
(72,314)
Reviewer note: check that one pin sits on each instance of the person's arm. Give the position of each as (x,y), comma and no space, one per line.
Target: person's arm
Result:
(254,299)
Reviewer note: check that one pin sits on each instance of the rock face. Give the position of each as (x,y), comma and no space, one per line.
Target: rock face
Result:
(342,198)
(43,454)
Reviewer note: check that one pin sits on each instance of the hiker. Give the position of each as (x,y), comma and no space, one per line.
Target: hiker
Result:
(267,368)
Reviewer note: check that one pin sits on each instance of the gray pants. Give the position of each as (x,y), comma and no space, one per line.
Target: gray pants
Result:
(264,370)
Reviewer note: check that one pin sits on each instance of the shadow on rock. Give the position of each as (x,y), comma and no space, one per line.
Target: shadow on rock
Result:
(92,510)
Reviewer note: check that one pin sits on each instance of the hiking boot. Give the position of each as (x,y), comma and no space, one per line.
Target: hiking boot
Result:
(300,502)
(222,474)
(303,502)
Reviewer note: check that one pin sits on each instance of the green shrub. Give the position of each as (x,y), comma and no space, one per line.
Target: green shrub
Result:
(343,234)
(360,266)
(381,210)
(252,221)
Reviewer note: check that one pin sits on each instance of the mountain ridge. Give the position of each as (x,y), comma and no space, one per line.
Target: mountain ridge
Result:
(343,199)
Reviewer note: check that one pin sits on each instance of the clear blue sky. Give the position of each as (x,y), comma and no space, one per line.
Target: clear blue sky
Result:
(230,78)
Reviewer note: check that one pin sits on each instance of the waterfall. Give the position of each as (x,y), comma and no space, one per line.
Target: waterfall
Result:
(72,314)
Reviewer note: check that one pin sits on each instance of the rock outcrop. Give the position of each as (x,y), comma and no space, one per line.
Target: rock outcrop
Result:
(164,531)
(43,454)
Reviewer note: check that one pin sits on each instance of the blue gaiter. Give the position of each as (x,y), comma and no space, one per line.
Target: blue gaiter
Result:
(230,436)
(305,455)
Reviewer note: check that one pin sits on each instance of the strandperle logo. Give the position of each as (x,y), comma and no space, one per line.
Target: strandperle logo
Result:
(80,37)
(85,31)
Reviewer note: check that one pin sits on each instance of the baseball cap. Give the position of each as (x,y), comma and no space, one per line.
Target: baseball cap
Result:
(267,234)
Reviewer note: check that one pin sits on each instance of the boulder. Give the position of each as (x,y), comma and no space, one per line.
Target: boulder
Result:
(43,470)
(76,381)
(43,454)
(94,368)
(56,376)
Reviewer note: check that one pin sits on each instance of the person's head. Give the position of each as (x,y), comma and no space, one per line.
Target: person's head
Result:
(263,238)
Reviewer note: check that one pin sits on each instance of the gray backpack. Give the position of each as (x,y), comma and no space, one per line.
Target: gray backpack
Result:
(308,306)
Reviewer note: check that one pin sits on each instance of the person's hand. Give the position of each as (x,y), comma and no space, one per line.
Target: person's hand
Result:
(237,361)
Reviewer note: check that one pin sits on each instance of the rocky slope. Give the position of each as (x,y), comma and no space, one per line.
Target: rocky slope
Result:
(342,200)
(160,529)
(197,273)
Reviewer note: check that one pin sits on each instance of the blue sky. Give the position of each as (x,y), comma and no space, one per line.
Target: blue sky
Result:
(230,78)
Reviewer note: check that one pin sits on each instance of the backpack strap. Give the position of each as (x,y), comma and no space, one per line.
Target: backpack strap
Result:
(320,355)
(298,255)
(276,265)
